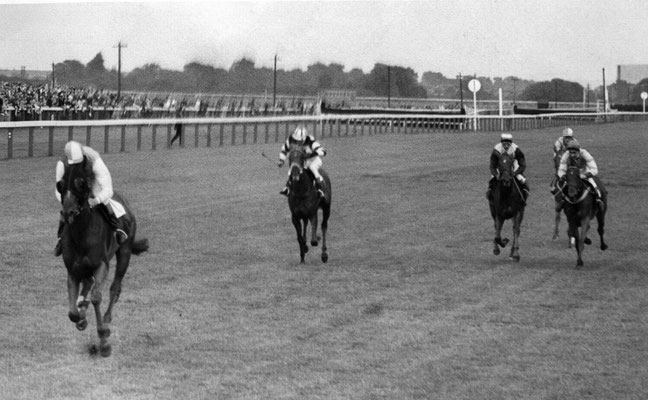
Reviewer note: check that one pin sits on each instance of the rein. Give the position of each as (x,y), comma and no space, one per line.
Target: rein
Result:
(582,197)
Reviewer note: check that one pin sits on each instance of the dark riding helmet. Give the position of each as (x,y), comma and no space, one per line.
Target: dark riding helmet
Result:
(573,145)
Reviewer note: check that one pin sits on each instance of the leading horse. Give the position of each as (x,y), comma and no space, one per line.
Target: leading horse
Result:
(88,245)
(580,208)
(507,202)
(304,202)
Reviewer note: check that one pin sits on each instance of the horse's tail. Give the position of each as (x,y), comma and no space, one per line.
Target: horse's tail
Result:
(139,246)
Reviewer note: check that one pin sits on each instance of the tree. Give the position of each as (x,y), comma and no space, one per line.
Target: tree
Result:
(556,90)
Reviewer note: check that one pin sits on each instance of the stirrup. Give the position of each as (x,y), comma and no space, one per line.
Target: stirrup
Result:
(58,249)
(122,236)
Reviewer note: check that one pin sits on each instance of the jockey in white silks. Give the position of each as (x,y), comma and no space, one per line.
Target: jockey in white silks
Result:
(313,149)
(102,190)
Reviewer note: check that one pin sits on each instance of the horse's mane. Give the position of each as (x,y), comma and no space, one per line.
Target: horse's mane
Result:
(85,172)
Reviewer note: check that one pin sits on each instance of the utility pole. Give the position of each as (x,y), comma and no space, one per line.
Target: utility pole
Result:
(388,86)
(274,85)
(604,96)
(53,77)
(460,92)
(119,47)
(514,81)
(555,93)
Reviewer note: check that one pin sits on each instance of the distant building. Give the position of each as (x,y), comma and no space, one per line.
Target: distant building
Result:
(24,73)
(632,73)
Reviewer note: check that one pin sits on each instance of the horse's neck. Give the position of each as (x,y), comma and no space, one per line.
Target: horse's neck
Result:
(304,186)
(86,227)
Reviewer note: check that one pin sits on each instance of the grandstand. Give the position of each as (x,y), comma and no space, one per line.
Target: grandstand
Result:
(24,73)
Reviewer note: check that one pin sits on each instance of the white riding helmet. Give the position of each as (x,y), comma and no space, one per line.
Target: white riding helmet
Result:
(300,134)
(73,152)
(568,132)
(506,137)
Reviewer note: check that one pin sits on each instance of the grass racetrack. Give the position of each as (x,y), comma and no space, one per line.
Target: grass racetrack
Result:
(411,305)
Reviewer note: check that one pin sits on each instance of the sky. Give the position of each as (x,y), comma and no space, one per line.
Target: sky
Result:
(536,40)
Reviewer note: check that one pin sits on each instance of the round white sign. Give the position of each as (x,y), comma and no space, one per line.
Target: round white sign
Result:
(644,95)
(474,85)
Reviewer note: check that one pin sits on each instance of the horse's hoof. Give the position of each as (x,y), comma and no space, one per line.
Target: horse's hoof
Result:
(554,237)
(496,252)
(588,241)
(314,243)
(505,241)
(579,264)
(74,317)
(105,350)
(82,325)
(324,257)
(604,246)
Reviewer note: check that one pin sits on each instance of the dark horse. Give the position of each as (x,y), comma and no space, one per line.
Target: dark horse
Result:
(559,199)
(304,202)
(507,202)
(89,244)
(580,208)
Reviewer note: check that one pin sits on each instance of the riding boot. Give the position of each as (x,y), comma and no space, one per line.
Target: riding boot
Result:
(491,186)
(319,183)
(58,250)
(286,190)
(599,199)
(119,227)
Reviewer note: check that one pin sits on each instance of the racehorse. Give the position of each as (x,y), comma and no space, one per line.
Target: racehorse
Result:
(304,202)
(559,198)
(88,245)
(507,202)
(580,208)
(559,204)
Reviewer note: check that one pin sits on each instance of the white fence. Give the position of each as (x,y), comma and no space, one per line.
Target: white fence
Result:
(42,138)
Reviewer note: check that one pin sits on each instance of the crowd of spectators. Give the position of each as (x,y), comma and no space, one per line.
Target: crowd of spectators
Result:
(21,101)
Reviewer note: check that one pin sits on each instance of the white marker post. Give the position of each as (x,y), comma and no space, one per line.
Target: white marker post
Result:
(644,96)
(474,85)
(501,109)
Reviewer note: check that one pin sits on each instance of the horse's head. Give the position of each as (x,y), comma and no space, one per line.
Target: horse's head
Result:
(573,183)
(296,160)
(505,168)
(75,189)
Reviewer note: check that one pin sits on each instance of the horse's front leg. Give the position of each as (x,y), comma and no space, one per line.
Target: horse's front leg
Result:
(103,328)
(314,239)
(497,242)
(515,249)
(326,212)
(303,248)
(73,295)
(82,302)
(580,240)
(600,217)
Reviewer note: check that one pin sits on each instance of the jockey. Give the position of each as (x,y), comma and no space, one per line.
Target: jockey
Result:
(560,146)
(102,190)
(313,149)
(506,145)
(581,158)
